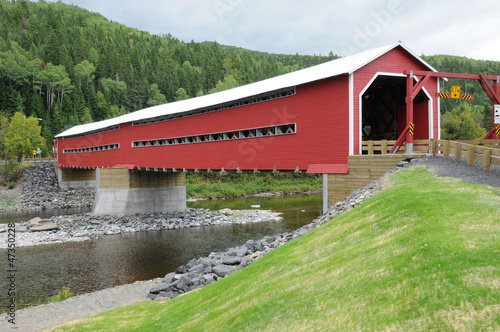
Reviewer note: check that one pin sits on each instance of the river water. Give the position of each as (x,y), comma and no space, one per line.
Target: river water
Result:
(109,261)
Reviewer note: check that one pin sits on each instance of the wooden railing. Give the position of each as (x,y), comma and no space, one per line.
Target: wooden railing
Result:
(31,159)
(485,151)
(384,146)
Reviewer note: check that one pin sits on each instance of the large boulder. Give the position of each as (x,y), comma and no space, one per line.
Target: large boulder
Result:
(46,226)
(224,270)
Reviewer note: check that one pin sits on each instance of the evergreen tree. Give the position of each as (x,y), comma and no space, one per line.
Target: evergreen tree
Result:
(155,96)
(86,117)
(181,94)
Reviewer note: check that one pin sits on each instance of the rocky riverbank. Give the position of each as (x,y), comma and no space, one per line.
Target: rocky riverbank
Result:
(84,227)
(40,191)
(203,271)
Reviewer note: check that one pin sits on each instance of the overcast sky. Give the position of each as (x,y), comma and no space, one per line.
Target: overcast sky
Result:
(455,27)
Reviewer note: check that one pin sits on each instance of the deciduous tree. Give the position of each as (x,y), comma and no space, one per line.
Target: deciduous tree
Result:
(462,123)
(23,136)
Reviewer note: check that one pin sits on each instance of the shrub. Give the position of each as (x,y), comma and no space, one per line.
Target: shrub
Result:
(64,294)
(10,173)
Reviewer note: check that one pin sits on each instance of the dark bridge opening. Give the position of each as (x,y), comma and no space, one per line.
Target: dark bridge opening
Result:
(384,109)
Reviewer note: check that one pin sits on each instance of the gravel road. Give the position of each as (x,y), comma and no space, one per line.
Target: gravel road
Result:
(449,168)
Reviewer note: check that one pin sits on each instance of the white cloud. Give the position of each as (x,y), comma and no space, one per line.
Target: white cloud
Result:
(456,27)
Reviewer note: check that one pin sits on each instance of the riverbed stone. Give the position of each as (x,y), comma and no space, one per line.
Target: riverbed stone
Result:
(166,294)
(231,260)
(184,283)
(181,269)
(205,261)
(197,269)
(238,252)
(34,221)
(168,278)
(160,288)
(46,226)
(223,270)
(267,240)
(21,228)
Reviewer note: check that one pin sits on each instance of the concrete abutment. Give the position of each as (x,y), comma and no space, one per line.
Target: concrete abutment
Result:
(122,191)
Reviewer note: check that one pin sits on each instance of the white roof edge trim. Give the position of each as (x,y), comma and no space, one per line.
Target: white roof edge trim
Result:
(346,65)
(390,48)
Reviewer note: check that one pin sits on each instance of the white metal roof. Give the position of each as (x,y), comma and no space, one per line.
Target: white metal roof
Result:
(346,65)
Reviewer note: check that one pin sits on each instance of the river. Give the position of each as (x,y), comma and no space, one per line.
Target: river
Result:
(109,261)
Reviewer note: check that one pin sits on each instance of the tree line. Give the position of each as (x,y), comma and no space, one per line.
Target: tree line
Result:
(67,66)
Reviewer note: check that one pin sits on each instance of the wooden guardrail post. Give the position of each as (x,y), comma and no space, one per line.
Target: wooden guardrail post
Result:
(471,158)
(457,151)
(384,146)
(433,143)
(487,160)
(370,147)
(446,149)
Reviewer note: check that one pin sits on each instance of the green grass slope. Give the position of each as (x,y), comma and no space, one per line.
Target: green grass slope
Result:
(424,254)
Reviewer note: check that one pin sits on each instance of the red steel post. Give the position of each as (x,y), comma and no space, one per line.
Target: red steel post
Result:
(409,112)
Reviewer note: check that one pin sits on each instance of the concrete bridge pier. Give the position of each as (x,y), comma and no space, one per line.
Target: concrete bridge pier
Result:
(122,191)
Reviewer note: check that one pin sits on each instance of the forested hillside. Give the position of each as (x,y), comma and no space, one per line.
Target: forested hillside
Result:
(67,66)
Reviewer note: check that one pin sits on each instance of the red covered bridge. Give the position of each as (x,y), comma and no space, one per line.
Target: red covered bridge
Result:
(309,120)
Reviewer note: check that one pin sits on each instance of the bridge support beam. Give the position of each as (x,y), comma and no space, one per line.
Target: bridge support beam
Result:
(76,178)
(122,191)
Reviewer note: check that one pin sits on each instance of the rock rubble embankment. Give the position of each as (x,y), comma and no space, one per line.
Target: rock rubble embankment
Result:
(41,191)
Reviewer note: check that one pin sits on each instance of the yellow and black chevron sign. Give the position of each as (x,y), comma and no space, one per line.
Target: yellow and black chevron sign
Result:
(498,130)
(412,128)
(445,95)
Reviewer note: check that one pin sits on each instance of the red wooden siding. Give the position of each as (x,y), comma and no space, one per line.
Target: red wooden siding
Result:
(319,109)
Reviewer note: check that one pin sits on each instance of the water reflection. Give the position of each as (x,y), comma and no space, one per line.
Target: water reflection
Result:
(19,216)
(115,260)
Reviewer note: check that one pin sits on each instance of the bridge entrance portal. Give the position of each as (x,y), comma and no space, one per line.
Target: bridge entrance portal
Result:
(384,110)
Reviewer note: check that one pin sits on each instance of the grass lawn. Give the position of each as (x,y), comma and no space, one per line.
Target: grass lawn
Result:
(218,184)
(424,254)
